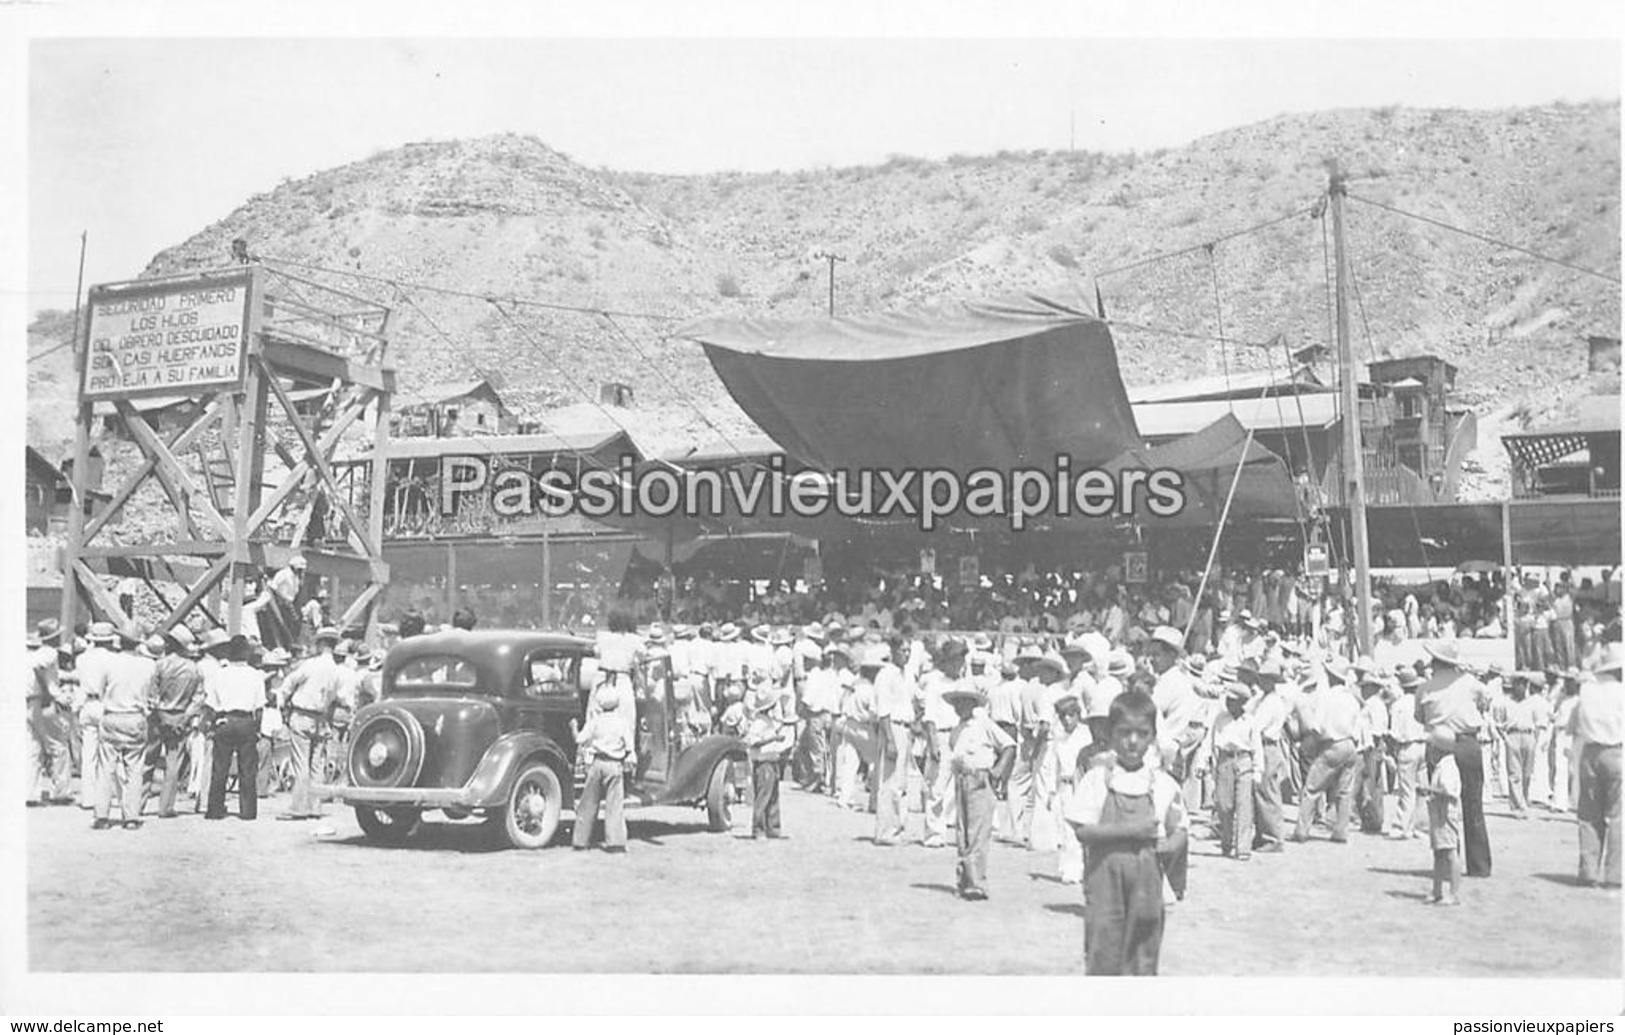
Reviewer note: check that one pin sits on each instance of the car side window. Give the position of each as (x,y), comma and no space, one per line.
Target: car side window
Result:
(437,671)
(551,673)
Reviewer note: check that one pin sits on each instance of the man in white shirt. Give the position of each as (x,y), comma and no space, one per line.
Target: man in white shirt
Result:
(233,701)
(939,720)
(895,711)
(311,689)
(125,688)
(820,701)
(1597,722)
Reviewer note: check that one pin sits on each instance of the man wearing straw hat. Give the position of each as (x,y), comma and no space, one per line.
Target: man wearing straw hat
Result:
(1409,741)
(980,756)
(1450,705)
(819,693)
(1331,724)
(856,731)
(769,736)
(177,696)
(125,689)
(310,691)
(1597,724)
(92,669)
(49,756)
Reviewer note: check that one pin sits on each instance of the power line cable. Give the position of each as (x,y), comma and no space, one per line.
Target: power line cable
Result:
(1486,239)
(458,293)
(1218,315)
(1205,244)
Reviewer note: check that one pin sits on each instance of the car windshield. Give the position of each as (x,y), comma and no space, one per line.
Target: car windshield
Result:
(437,670)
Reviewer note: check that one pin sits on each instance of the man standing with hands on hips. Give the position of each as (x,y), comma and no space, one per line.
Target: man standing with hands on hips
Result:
(310,690)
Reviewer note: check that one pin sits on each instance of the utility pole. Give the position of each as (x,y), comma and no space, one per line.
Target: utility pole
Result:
(1353,449)
(832,259)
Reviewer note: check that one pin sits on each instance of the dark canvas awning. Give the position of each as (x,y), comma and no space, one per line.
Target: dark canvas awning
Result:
(1208,461)
(1011,382)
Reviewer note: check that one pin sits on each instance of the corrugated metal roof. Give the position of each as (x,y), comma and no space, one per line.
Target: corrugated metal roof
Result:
(445,391)
(499,445)
(1170,419)
(1218,386)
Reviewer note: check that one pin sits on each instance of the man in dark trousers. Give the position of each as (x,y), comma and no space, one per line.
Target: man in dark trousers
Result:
(232,704)
(1453,701)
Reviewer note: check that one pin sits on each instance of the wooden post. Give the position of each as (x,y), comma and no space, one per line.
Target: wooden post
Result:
(547,577)
(76,514)
(375,493)
(451,580)
(1506,566)
(1353,448)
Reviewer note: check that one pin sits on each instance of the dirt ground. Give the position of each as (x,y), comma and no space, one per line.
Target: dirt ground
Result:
(190,895)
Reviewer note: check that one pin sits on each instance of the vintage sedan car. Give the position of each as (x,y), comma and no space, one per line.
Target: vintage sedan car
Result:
(479,723)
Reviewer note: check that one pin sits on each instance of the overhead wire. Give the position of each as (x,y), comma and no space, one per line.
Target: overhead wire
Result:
(1218,315)
(1149,260)
(1485,238)
(532,303)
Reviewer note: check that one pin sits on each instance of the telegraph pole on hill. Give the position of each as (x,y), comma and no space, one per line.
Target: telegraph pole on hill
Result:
(832,259)
(1353,449)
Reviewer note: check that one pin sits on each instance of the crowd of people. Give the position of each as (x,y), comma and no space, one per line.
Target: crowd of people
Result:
(1083,716)
(138,715)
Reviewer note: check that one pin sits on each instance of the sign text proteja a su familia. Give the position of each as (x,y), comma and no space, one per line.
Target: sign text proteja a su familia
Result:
(169,338)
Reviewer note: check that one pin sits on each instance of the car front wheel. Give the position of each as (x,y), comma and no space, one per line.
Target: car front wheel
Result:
(719,795)
(535,804)
(391,826)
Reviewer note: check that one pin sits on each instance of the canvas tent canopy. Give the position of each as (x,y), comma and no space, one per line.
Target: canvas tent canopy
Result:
(1012,382)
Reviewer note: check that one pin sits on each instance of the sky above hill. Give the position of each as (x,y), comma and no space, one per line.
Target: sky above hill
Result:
(142,142)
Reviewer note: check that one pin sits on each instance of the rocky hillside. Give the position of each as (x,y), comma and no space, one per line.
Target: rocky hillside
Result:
(508,216)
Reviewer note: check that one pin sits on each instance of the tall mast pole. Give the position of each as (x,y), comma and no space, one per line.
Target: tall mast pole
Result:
(1353,452)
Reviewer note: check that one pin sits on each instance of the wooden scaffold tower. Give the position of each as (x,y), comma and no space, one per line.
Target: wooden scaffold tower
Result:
(217,376)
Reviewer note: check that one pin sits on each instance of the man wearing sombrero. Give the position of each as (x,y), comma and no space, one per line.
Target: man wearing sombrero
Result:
(980,757)
(50,759)
(1450,706)
(177,693)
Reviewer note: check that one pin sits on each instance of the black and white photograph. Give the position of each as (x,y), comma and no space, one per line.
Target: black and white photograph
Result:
(797,506)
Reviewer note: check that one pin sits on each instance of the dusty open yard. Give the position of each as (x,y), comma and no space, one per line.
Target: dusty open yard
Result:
(188,895)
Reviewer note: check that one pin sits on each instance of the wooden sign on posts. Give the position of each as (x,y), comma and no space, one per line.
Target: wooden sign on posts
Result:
(167,338)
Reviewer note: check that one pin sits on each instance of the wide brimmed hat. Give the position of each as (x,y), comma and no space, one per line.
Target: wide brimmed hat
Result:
(813,632)
(975,697)
(275,658)
(1237,691)
(297,561)
(213,640)
(1195,664)
(1169,637)
(838,650)
(101,632)
(48,631)
(761,633)
(656,635)
(153,645)
(682,632)
(1118,663)
(1408,677)
(981,641)
(1445,653)
(727,633)
(181,637)
(33,642)
(780,638)
(327,634)
(1028,652)
(1338,669)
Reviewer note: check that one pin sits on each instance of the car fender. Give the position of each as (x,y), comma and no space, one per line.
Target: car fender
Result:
(691,774)
(493,777)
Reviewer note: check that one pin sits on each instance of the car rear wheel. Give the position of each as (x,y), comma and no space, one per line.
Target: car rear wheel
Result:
(719,796)
(535,805)
(390,826)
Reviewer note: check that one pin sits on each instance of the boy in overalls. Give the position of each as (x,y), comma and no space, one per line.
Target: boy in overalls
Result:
(1130,818)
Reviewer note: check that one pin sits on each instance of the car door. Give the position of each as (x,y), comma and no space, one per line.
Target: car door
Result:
(550,697)
(655,722)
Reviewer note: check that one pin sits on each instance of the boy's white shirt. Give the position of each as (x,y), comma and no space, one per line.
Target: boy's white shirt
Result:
(1167,800)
